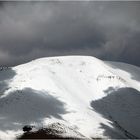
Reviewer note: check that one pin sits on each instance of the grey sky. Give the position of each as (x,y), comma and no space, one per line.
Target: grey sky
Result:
(107,30)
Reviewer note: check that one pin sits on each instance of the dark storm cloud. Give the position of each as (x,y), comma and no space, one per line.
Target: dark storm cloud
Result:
(107,30)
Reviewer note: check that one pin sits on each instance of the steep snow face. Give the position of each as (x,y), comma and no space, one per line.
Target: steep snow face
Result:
(77,91)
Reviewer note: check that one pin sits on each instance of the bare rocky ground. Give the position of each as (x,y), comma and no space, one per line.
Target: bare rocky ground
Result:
(53,131)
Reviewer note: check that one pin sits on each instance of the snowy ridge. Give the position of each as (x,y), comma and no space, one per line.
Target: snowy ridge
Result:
(80,92)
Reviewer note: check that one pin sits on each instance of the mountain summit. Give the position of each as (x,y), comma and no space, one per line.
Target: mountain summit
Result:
(71,97)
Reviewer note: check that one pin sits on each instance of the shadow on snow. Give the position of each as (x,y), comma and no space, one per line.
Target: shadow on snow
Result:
(122,107)
(28,106)
(5,76)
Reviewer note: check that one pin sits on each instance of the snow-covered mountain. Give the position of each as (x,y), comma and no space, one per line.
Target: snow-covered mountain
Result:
(82,96)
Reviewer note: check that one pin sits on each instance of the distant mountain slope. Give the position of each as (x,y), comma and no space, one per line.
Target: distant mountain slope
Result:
(88,97)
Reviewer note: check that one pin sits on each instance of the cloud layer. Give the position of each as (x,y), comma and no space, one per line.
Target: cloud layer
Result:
(107,30)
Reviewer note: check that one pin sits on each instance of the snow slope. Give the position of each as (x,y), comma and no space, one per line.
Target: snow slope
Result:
(95,99)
